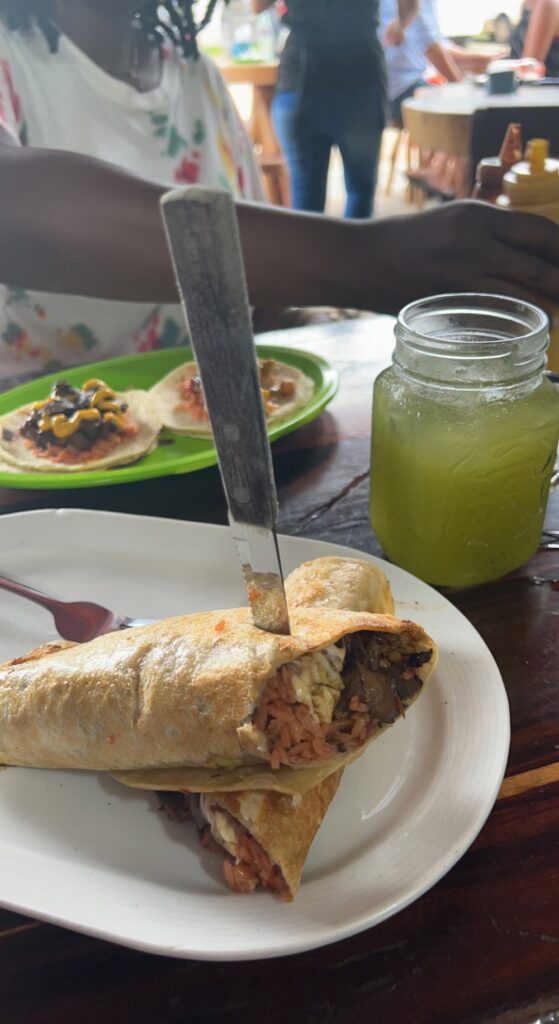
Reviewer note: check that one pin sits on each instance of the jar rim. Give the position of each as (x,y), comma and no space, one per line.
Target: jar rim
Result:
(485,302)
(471,339)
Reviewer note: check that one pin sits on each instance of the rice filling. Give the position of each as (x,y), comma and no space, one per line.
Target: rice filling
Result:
(334,699)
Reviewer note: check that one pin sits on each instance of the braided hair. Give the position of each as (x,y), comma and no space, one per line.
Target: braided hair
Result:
(161,20)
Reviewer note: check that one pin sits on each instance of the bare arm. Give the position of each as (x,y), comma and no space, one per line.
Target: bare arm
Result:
(407,11)
(441,59)
(262,5)
(72,224)
(76,225)
(542,28)
(470,59)
(395,30)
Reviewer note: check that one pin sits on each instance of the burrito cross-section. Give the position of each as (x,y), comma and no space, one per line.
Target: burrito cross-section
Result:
(212,691)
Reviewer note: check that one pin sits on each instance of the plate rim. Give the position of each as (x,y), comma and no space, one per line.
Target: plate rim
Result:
(327,934)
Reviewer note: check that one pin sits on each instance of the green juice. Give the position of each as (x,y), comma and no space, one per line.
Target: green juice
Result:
(460,478)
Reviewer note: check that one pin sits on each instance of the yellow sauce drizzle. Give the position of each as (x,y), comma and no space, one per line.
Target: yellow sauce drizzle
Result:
(103,404)
(62,427)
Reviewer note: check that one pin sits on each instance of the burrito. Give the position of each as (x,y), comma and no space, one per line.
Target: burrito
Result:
(212,691)
(180,400)
(265,836)
(75,429)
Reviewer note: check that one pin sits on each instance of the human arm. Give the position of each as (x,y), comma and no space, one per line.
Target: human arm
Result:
(438,55)
(474,60)
(262,5)
(75,225)
(542,29)
(80,226)
(395,30)
(407,11)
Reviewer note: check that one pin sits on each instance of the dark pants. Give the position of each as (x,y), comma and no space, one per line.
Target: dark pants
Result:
(352,120)
(396,104)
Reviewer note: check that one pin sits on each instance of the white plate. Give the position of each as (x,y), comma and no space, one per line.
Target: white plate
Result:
(79,850)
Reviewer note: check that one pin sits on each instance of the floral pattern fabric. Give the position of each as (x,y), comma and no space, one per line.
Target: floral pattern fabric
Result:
(185,131)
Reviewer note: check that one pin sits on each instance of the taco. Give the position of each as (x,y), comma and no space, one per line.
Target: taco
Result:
(179,397)
(75,429)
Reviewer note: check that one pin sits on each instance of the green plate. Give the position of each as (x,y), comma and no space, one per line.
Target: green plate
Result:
(173,454)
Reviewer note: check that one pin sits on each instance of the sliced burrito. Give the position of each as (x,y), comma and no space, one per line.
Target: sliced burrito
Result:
(265,836)
(75,429)
(211,691)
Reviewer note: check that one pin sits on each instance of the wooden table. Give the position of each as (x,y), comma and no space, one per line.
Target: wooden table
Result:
(441,118)
(262,78)
(482,946)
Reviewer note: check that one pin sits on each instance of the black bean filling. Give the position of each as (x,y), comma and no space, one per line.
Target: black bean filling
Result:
(65,400)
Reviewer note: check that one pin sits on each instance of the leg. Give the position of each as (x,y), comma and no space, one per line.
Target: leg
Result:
(359,123)
(306,151)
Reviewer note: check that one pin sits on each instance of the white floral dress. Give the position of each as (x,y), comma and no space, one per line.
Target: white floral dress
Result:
(184,131)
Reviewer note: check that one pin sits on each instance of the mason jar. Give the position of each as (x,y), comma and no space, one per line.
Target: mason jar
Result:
(464,438)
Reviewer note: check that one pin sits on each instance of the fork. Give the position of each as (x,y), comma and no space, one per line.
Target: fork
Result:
(75,620)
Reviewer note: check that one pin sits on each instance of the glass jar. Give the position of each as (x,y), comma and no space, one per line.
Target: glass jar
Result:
(465,429)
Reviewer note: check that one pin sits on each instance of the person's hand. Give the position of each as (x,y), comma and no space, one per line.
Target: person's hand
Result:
(394,34)
(459,247)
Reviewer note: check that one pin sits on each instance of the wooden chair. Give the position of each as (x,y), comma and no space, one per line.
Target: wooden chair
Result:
(276,178)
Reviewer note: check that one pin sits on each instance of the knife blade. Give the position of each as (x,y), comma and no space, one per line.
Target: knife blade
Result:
(203,236)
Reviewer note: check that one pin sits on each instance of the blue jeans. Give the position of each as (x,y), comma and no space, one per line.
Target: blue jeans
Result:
(352,120)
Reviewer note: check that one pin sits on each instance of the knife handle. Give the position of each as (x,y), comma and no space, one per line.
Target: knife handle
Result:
(203,232)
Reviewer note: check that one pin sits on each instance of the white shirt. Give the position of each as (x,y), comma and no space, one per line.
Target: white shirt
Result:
(184,131)
(406,64)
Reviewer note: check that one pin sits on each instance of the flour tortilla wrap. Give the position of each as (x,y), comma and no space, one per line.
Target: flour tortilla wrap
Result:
(15,451)
(347,583)
(193,422)
(188,692)
(265,836)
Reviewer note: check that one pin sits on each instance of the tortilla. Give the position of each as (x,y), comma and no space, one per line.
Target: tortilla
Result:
(234,780)
(142,411)
(177,693)
(283,828)
(332,582)
(174,414)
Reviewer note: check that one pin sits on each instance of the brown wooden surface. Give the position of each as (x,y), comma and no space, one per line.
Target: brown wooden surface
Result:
(483,945)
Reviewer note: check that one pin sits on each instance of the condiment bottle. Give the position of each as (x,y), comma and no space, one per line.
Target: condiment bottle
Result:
(465,428)
(533,187)
(491,170)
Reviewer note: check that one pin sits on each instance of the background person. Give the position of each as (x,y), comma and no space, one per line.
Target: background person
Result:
(408,57)
(537,34)
(331,92)
(408,64)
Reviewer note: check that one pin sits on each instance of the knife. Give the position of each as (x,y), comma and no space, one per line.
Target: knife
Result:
(203,237)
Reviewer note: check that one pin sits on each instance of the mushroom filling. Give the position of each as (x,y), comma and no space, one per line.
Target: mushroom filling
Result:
(333,700)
